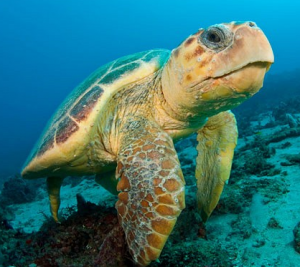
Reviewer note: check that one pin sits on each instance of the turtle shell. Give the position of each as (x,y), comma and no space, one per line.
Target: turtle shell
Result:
(68,130)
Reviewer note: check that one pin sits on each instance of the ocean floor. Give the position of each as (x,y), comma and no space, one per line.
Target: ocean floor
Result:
(253,224)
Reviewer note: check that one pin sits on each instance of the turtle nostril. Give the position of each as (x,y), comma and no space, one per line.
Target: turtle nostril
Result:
(252,24)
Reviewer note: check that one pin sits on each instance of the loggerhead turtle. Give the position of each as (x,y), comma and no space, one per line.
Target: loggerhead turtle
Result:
(120,124)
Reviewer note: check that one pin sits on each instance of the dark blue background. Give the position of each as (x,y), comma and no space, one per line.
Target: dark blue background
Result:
(47,47)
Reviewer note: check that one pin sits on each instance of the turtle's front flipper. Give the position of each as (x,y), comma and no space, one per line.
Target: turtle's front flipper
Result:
(216,143)
(53,186)
(152,189)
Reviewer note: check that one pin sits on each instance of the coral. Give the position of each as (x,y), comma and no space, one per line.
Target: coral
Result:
(272,188)
(256,163)
(73,242)
(241,227)
(235,205)
(254,156)
(116,240)
(188,225)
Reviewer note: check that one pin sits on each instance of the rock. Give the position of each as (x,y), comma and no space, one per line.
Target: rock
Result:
(273,223)
(292,122)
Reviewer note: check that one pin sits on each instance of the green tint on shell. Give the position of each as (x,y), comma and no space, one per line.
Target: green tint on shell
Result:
(83,98)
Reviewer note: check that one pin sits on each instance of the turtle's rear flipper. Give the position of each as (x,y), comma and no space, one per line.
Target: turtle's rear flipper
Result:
(216,143)
(152,189)
(53,186)
(108,181)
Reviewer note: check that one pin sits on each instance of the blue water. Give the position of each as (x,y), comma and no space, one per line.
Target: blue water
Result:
(47,47)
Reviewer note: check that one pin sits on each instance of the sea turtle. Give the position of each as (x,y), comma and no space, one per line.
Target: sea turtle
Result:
(120,124)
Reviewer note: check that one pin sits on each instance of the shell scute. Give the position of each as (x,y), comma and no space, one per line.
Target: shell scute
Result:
(118,72)
(65,129)
(81,110)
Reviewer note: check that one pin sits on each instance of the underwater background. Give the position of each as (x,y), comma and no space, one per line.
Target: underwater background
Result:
(49,47)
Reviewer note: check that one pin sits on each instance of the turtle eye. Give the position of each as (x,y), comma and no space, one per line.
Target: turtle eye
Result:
(216,37)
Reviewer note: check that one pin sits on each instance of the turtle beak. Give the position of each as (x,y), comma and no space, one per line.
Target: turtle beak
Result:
(268,66)
(250,45)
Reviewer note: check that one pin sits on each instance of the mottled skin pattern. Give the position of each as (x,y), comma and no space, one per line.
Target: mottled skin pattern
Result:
(125,135)
(152,188)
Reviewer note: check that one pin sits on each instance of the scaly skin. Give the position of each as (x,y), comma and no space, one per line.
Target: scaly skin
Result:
(152,188)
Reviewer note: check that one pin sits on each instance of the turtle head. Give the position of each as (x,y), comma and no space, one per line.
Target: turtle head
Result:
(217,68)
